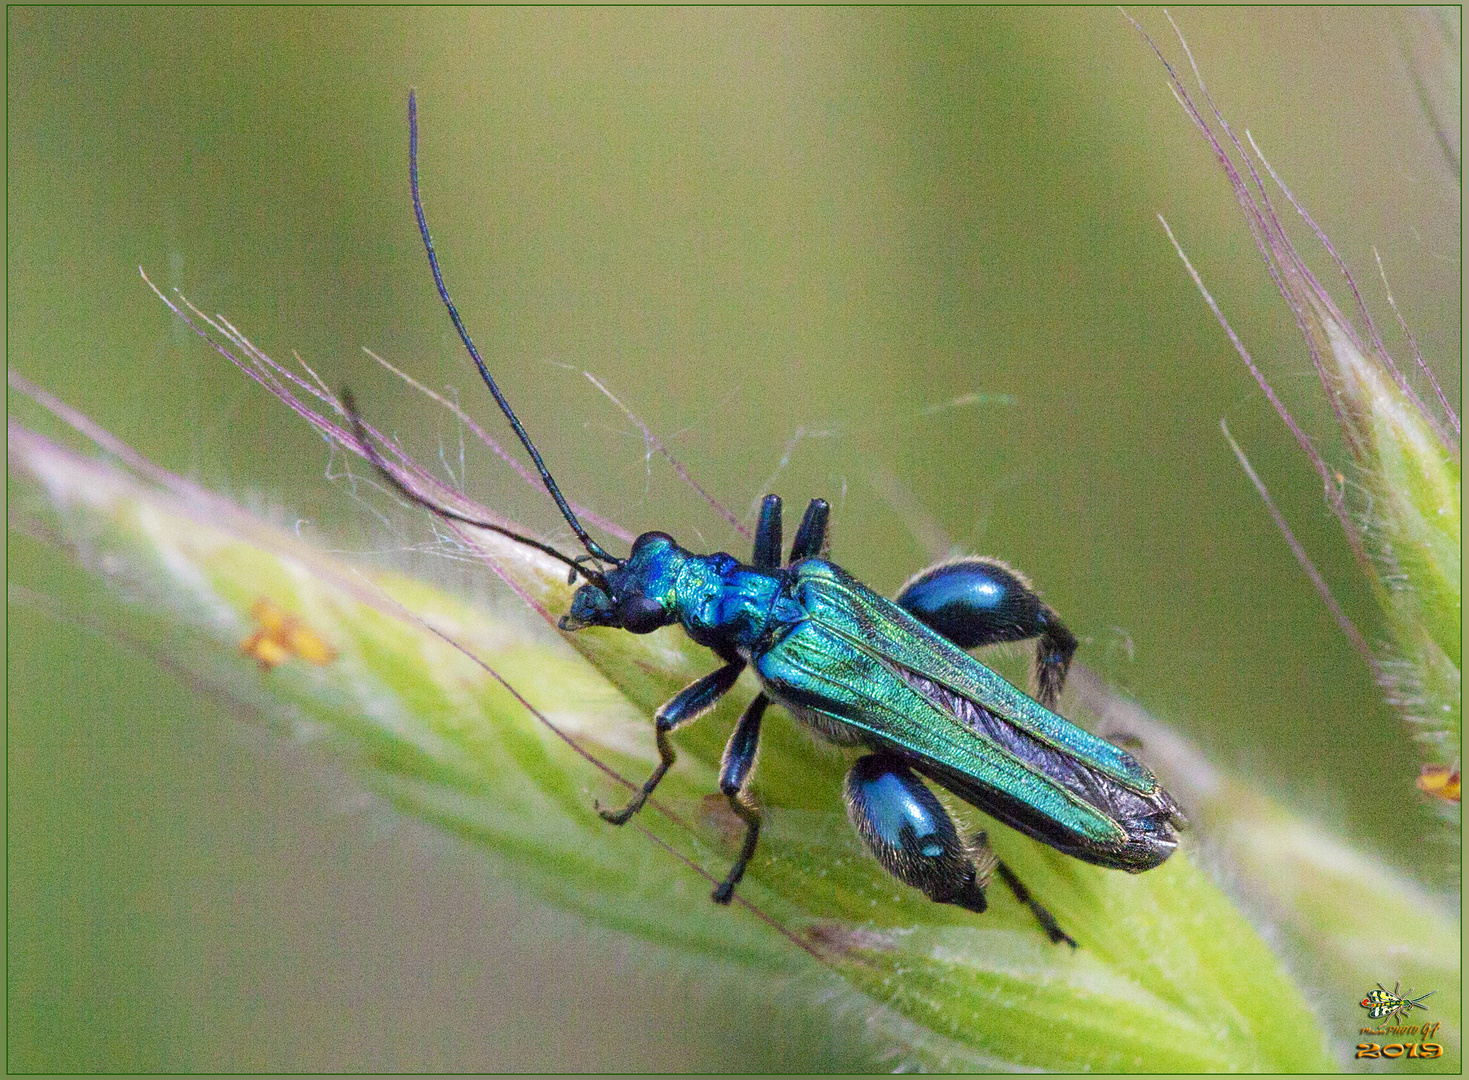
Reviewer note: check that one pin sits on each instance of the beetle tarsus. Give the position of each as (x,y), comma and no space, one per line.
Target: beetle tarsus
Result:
(623,816)
(750,815)
(1045,918)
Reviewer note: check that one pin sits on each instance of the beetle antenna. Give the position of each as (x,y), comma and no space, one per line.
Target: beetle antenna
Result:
(593,548)
(391,478)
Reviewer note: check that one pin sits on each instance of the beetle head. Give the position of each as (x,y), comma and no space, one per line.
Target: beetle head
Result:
(636,596)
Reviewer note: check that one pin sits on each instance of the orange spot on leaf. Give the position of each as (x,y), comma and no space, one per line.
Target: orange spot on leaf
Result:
(1440,781)
(282,636)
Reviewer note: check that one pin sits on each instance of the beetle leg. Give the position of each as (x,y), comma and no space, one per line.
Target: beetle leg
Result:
(811,538)
(976,601)
(767,535)
(911,833)
(1044,917)
(1053,653)
(734,774)
(690,703)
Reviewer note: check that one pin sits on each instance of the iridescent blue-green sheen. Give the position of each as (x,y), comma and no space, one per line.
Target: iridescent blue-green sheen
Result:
(862,670)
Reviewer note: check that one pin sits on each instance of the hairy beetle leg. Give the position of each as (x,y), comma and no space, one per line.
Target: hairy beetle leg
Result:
(1044,917)
(750,814)
(667,757)
(739,752)
(976,601)
(734,774)
(690,703)
(812,537)
(767,535)
(907,828)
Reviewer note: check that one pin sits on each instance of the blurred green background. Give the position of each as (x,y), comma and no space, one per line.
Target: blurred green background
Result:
(765,231)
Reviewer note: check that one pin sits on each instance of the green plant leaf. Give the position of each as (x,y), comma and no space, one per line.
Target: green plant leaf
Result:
(1348,920)
(1169,976)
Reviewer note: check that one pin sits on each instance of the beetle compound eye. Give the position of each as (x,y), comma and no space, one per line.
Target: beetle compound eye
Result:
(650,540)
(641,614)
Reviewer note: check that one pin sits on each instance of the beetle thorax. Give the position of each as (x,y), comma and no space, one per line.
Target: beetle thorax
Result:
(720,602)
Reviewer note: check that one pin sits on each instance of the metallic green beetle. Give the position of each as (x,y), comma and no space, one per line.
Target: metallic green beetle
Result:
(889,676)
